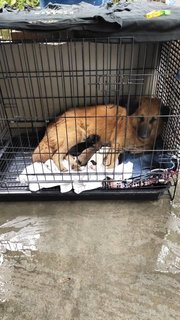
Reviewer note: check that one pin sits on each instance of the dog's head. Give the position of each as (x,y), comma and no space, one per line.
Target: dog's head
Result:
(147,119)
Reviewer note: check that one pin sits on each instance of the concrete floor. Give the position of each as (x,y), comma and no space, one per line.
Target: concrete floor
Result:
(90,260)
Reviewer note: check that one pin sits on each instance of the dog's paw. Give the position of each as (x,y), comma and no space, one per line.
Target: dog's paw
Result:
(57,158)
(108,164)
(110,160)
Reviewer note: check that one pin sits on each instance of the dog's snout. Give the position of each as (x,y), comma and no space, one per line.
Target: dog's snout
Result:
(143,132)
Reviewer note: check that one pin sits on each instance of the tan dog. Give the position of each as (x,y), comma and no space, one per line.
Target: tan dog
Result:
(135,133)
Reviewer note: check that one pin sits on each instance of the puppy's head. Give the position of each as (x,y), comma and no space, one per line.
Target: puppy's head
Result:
(147,119)
(92,139)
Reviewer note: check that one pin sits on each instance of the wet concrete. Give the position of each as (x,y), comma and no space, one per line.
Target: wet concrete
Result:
(104,260)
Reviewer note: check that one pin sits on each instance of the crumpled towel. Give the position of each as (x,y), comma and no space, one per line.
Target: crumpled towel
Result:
(47,175)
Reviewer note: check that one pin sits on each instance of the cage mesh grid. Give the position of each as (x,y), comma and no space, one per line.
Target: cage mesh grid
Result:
(168,88)
(40,80)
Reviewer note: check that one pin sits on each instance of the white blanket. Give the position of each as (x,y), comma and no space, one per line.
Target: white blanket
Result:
(47,175)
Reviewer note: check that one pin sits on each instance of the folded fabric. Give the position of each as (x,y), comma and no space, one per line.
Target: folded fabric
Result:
(146,162)
(149,169)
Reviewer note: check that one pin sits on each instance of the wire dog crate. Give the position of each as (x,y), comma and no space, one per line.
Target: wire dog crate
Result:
(43,76)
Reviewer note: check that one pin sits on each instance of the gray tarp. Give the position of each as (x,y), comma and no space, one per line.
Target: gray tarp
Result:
(86,20)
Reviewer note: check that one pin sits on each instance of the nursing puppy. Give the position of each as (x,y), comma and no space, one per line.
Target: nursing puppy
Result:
(111,123)
(83,151)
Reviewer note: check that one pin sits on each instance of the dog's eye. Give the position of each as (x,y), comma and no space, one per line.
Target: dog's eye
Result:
(141,118)
(152,120)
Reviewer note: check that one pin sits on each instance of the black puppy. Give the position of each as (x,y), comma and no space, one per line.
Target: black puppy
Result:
(85,150)
(90,141)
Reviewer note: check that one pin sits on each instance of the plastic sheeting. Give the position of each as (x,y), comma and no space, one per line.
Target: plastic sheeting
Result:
(85,20)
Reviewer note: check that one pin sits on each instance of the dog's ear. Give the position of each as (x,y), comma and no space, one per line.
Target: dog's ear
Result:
(132,106)
(165,112)
(130,103)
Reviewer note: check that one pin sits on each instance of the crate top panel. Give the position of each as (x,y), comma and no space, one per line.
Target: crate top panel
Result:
(126,19)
